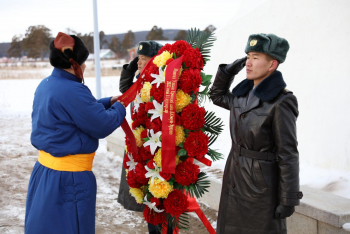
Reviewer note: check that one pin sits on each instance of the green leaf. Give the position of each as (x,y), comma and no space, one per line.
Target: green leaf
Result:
(145,139)
(182,152)
(183,158)
(181,145)
(151,99)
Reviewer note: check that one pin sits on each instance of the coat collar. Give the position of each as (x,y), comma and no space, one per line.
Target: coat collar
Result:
(64,74)
(267,90)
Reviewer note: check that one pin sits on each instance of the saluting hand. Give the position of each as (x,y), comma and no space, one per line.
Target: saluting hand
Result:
(236,66)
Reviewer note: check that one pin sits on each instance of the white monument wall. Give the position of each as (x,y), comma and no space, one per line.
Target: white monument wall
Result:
(317,69)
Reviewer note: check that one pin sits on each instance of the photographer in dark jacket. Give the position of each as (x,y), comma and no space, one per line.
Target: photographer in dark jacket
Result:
(261,179)
(146,50)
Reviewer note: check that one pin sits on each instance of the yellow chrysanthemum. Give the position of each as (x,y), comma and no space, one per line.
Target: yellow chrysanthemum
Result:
(177,160)
(137,194)
(146,92)
(158,158)
(180,72)
(126,171)
(161,59)
(179,135)
(182,100)
(137,134)
(160,189)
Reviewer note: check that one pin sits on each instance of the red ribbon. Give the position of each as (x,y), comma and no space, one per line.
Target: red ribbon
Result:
(127,98)
(168,125)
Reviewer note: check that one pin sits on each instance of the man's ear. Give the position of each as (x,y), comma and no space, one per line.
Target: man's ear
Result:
(273,65)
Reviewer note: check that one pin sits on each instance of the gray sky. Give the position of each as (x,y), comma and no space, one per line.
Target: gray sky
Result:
(115,16)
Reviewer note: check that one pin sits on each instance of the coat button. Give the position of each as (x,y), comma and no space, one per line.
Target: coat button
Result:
(300,195)
(239,139)
(236,162)
(232,185)
(242,116)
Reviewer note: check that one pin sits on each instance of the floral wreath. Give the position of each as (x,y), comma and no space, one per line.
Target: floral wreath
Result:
(165,194)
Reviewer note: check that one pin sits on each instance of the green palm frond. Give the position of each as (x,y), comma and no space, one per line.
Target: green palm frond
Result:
(213,124)
(177,223)
(200,187)
(202,40)
(214,155)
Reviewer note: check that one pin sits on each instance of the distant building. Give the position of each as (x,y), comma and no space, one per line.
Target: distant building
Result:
(104,54)
(133,51)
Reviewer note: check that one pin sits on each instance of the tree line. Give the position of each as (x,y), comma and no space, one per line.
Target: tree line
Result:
(34,43)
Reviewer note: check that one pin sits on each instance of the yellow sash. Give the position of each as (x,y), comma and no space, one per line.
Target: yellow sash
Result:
(77,162)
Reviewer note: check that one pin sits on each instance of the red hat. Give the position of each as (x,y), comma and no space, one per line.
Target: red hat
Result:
(63,42)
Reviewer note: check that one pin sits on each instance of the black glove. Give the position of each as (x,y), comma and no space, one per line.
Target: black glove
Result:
(283,211)
(236,66)
(132,67)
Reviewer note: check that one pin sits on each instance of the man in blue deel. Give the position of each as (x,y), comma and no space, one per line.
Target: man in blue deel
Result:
(67,122)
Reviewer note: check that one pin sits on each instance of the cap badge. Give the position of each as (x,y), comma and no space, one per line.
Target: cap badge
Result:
(140,47)
(253,42)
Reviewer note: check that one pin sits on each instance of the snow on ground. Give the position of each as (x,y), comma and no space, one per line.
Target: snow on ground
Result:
(18,156)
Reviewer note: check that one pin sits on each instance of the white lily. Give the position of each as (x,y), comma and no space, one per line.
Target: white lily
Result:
(159,78)
(151,206)
(137,103)
(154,141)
(157,112)
(153,173)
(131,164)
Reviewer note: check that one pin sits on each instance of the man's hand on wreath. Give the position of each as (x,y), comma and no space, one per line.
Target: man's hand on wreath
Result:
(235,67)
(284,211)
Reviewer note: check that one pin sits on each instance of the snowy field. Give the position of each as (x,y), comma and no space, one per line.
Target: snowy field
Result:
(17,158)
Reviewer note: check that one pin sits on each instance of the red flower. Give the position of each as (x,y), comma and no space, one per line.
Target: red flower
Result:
(132,179)
(196,144)
(140,173)
(126,159)
(179,47)
(145,153)
(152,69)
(155,124)
(186,173)
(150,164)
(190,80)
(166,47)
(149,106)
(192,117)
(166,176)
(158,93)
(144,134)
(177,119)
(193,58)
(176,203)
(153,217)
(156,200)
(139,117)
(169,61)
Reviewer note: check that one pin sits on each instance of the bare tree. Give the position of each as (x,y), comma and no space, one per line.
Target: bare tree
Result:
(16,47)
(156,34)
(36,41)
(181,35)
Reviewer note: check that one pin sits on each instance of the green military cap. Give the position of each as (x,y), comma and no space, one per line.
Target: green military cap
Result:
(148,48)
(269,44)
